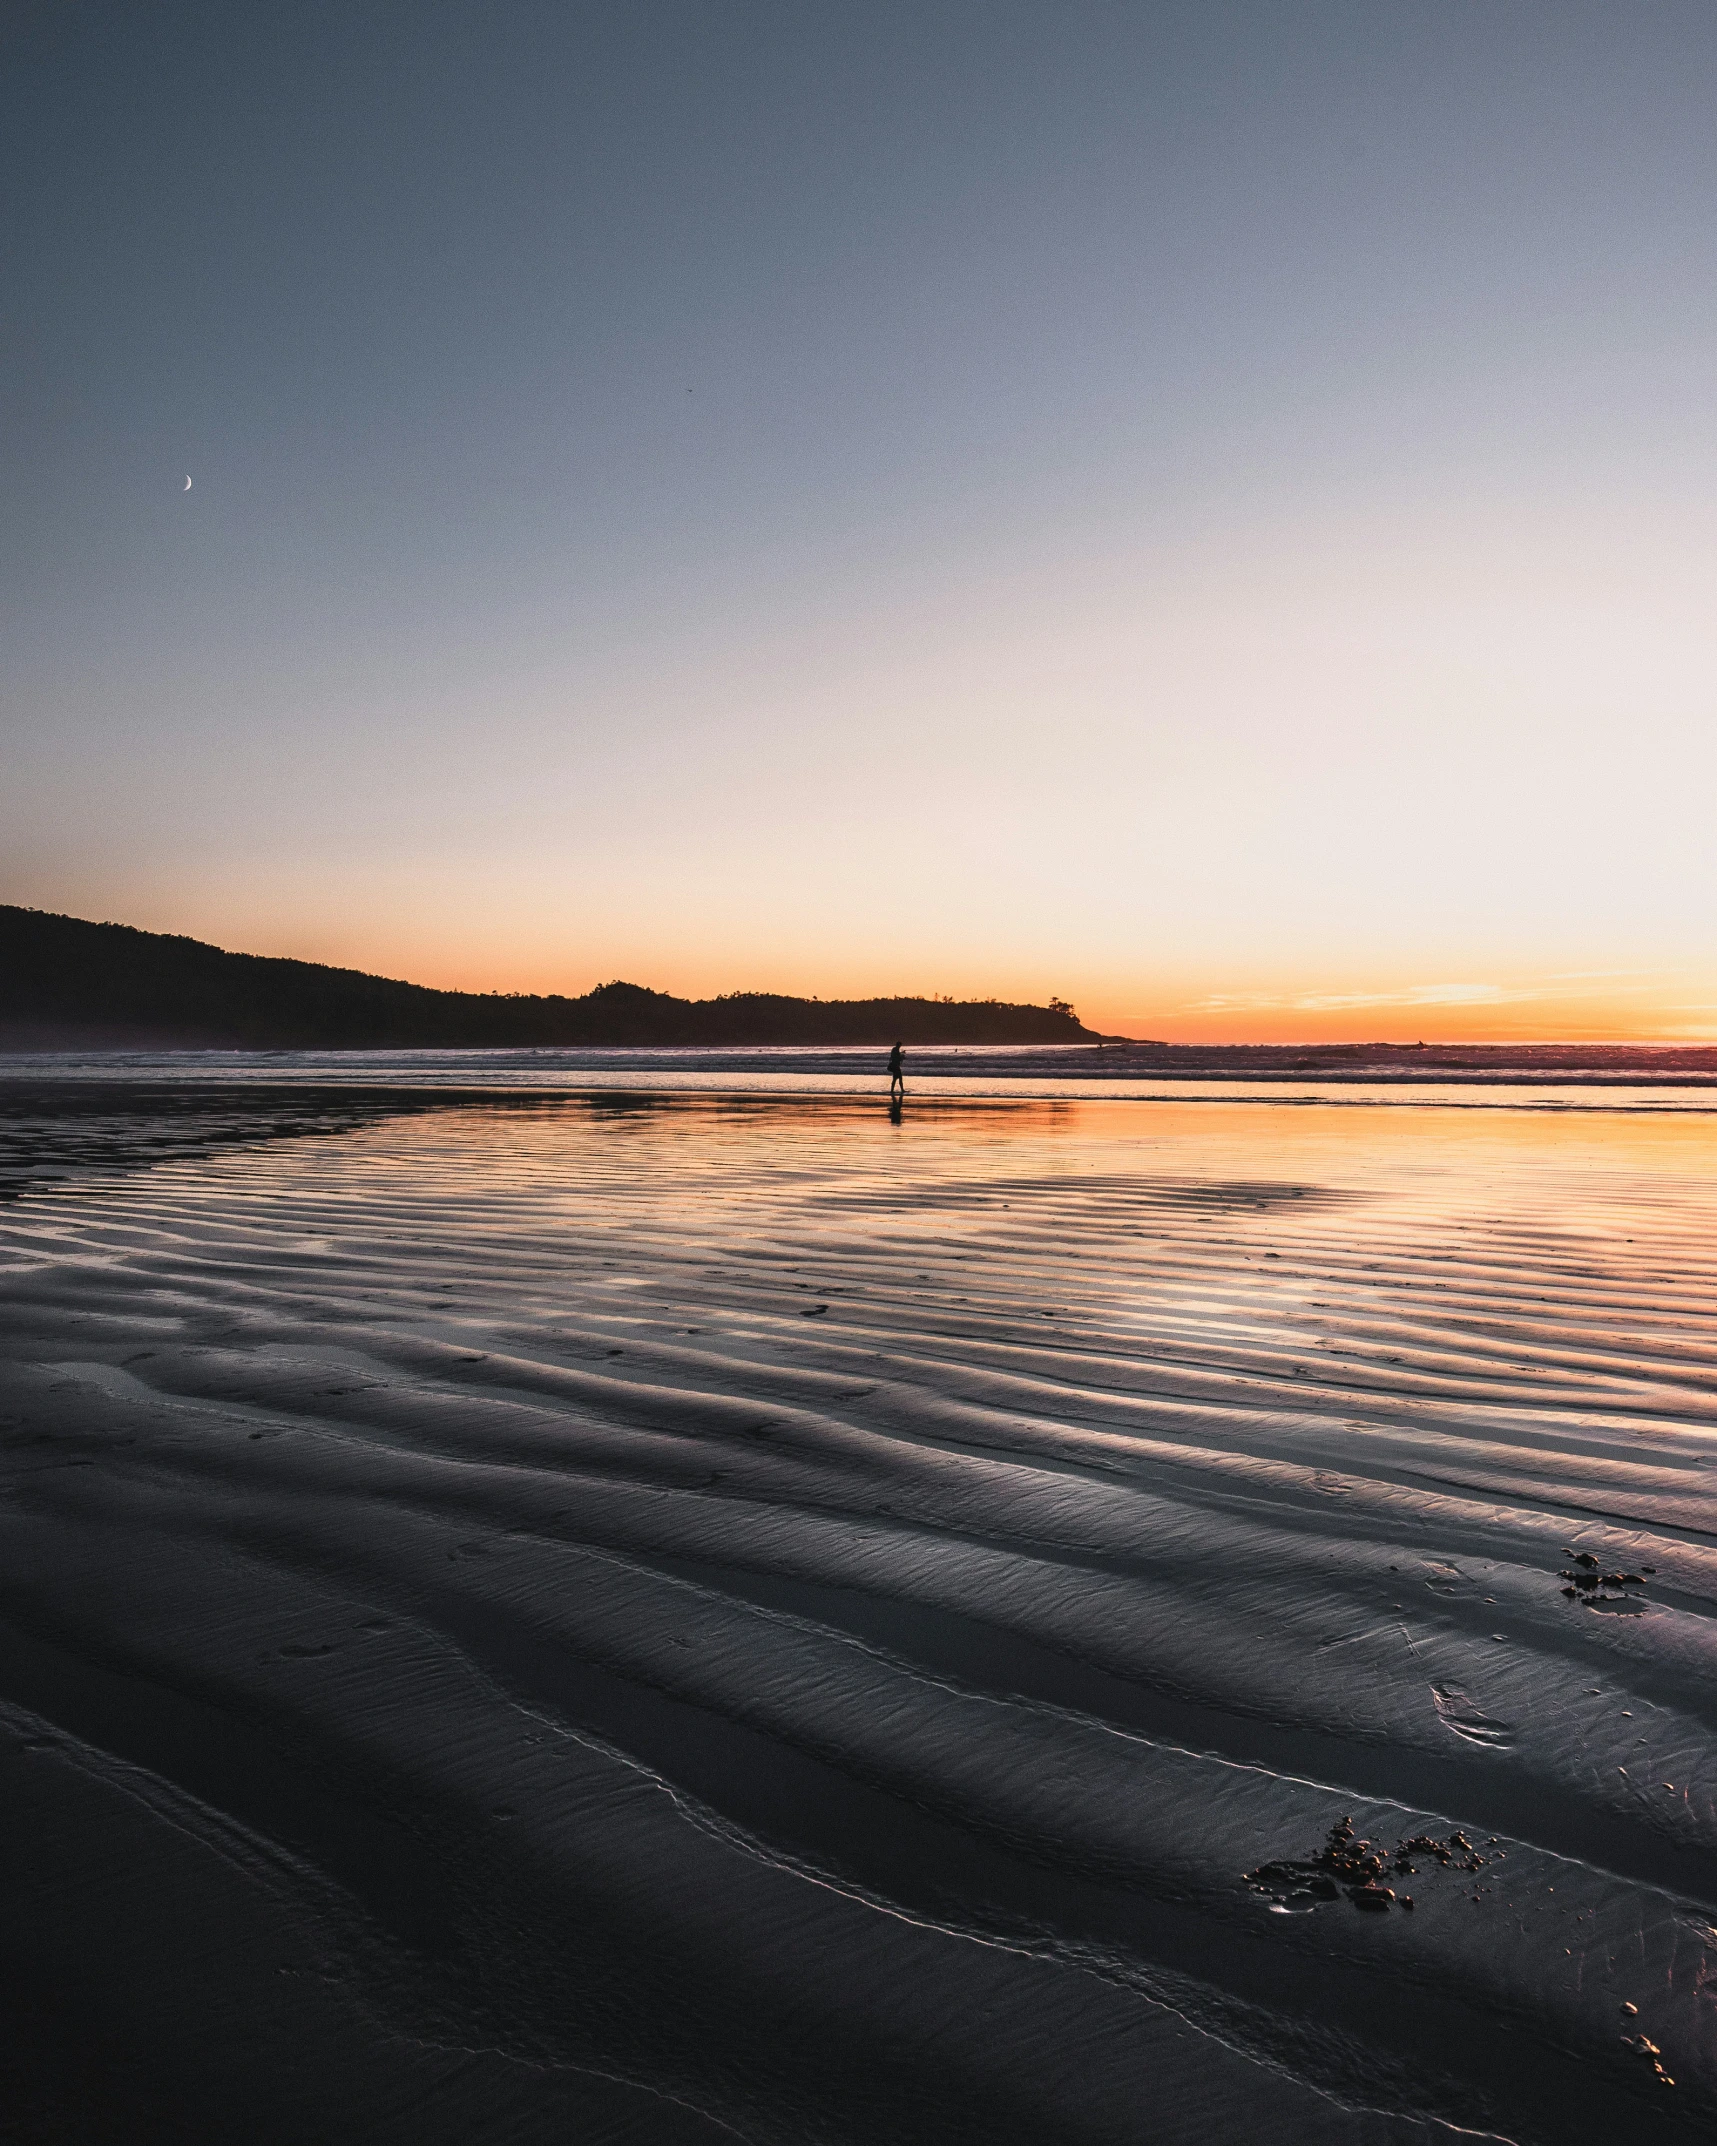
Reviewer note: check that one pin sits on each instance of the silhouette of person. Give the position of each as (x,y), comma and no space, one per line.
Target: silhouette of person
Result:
(896,1078)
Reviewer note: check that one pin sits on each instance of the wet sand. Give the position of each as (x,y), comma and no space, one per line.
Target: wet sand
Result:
(683,1618)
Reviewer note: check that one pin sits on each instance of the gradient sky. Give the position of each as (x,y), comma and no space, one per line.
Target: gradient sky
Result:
(1205,509)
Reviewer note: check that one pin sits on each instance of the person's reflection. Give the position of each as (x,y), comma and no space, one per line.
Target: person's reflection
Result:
(896,1110)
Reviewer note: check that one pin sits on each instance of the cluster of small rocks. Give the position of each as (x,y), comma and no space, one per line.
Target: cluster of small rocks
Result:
(1648,2049)
(1347,1864)
(1588,1583)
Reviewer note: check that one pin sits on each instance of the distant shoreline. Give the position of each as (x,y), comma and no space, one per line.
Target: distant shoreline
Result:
(68,984)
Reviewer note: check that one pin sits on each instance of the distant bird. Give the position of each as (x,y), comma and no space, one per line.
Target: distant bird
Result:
(187,484)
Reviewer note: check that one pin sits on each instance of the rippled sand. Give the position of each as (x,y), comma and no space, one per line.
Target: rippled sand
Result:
(681,1619)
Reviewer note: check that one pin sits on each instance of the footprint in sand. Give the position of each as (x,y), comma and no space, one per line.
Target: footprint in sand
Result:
(1460,1715)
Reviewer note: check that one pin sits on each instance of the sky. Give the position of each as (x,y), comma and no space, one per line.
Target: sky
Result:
(1206,510)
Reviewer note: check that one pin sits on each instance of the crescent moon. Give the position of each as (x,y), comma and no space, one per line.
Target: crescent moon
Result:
(187,484)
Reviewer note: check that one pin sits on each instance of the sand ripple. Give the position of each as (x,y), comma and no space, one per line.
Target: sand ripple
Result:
(681,1618)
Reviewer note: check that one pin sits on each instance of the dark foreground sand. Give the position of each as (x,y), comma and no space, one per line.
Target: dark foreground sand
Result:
(686,1620)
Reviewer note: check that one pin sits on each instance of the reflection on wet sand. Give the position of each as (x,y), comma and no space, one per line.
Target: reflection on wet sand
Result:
(668,1617)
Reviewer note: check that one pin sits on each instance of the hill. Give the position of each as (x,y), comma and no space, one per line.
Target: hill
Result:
(65,983)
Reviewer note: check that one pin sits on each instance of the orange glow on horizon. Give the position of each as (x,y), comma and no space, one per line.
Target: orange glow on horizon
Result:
(1667,1008)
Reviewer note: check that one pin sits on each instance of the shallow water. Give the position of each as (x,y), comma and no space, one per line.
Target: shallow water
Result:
(667,1616)
(1592,1077)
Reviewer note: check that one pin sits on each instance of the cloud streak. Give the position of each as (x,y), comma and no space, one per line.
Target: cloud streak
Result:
(1421,995)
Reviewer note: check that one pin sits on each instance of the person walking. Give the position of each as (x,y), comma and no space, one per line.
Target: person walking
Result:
(896,1078)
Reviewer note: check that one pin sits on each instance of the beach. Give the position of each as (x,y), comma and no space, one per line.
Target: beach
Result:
(687,1608)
